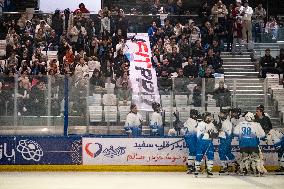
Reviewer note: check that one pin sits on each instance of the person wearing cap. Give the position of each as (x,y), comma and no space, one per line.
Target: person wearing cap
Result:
(246,12)
(267,64)
(263,119)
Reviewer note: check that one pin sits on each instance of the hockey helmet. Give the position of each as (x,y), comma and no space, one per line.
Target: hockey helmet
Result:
(223,115)
(156,106)
(249,117)
(207,117)
(193,114)
(236,112)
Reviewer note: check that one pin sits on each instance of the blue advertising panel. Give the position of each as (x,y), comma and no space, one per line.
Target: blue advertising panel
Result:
(7,150)
(41,150)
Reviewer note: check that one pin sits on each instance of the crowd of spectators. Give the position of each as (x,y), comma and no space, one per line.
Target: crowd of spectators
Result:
(92,48)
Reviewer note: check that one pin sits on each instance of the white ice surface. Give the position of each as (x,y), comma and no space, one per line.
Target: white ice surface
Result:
(94,180)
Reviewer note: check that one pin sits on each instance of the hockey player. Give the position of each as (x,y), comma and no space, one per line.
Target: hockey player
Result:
(235,116)
(225,138)
(190,138)
(277,139)
(206,131)
(133,123)
(156,121)
(249,134)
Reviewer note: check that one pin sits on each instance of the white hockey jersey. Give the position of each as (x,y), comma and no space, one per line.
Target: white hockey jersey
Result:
(226,129)
(274,136)
(190,126)
(156,119)
(249,134)
(133,120)
(203,130)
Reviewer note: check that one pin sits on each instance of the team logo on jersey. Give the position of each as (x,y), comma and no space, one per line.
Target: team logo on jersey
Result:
(30,150)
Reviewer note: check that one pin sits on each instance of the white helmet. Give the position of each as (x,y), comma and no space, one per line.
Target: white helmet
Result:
(249,116)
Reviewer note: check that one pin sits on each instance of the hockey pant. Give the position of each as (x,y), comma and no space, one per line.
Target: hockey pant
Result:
(133,131)
(280,151)
(156,130)
(250,160)
(190,140)
(204,148)
(225,151)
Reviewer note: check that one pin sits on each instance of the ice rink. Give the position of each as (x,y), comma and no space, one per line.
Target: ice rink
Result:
(92,180)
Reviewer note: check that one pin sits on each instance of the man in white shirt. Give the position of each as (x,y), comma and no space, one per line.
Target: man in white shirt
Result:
(246,13)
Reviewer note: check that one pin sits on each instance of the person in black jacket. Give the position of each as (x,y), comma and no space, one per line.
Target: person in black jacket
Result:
(263,119)
(267,64)
(222,95)
(190,70)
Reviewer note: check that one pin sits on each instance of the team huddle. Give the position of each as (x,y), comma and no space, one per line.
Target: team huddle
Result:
(200,130)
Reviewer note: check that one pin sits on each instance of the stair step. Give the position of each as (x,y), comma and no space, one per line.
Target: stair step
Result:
(239,69)
(238,66)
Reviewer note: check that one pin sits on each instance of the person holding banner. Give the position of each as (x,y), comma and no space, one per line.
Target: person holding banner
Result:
(156,122)
(133,123)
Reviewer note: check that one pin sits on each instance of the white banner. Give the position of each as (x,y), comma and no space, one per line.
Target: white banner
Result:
(149,151)
(142,74)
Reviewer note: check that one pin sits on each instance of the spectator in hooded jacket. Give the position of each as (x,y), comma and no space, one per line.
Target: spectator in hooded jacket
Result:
(267,64)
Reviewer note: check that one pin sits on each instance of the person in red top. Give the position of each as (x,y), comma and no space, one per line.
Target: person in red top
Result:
(81,9)
(237,35)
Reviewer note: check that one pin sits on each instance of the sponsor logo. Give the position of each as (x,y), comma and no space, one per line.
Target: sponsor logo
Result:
(30,150)
(90,149)
(95,149)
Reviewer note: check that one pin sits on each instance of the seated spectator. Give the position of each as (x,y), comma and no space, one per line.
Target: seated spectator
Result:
(164,83)
(12,62)
(208,73)
(267,64)
(272,28)
(93,63)
(124,93)
(215,61)
(190,70)
(198,50)
(37,98)
(185,47)
(175,59)
(222,95)
(96,80)
(122,79)
(22,98)
(38,68)
(180,82)
(43,26)
(280,61)
(216,47)
(194,36)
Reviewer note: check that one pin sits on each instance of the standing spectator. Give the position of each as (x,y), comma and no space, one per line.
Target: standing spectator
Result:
(96,80)
(78,33)
(219,12)
(151,33)
(57,23)
(155,8)
(81,69)
(267,64)
(272,28)
(105,24)
(246,13)
(237,35)
(204,12)
(258,18)
(81,9)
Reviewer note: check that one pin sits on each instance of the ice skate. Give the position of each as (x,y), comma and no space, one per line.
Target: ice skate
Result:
(209,174)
